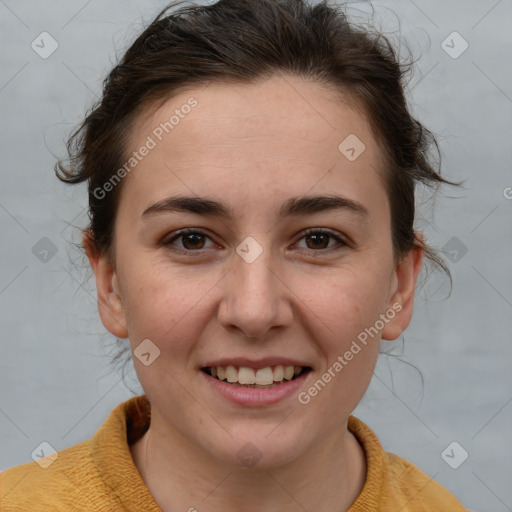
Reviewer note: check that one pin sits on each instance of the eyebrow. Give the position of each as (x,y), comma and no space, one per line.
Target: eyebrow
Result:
(295,206)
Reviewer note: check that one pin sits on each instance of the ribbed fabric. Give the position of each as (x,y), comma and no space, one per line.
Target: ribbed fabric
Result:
(99,475)
(394,484)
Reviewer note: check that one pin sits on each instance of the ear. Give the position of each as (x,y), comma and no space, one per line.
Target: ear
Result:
(402,293)
(110,305)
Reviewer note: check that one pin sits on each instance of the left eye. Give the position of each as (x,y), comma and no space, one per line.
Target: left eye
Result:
(319,238)
(194,240)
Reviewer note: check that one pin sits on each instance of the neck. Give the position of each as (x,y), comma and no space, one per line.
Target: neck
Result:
(181,476)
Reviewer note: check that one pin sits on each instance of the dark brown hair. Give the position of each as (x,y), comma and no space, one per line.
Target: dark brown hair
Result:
(245,41)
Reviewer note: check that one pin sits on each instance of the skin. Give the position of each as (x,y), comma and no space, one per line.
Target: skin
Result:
(253,147)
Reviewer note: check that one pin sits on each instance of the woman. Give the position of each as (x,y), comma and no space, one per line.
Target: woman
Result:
(251,170)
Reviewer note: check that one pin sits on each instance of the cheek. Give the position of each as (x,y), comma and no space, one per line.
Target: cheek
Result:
(159,303)
(347,308)
(345,302)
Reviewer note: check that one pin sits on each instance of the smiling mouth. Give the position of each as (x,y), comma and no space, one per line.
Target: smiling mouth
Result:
(260,378)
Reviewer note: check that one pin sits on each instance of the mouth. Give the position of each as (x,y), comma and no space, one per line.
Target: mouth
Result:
(256,378)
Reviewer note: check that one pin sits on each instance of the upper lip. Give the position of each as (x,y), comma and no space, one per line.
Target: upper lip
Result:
(254,363)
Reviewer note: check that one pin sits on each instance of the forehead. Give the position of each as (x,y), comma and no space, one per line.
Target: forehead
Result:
(280,134)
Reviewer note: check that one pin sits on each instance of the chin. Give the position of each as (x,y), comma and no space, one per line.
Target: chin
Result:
(257,450)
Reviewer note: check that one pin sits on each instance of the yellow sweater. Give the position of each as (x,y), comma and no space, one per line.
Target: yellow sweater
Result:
(99,475)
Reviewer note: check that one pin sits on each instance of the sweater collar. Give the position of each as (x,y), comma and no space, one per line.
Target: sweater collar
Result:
(129,421)
(369,497)
(111,453)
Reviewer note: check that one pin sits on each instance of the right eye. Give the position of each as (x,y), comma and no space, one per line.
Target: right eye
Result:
(192,240)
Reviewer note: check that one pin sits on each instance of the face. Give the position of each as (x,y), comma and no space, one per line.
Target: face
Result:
(269,276)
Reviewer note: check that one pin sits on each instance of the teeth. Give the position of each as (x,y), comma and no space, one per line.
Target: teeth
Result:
(231,374)
(246,376)
(288,372)
(262,376)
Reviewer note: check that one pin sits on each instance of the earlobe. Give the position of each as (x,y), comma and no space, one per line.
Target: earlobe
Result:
(110,305)
(402,293)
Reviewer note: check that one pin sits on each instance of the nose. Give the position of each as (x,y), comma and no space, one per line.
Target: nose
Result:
(255,297)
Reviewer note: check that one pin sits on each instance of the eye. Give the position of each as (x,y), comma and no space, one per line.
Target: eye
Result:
(319,238)
(192,240)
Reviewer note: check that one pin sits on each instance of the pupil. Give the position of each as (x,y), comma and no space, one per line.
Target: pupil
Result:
(194,238)
(318,236)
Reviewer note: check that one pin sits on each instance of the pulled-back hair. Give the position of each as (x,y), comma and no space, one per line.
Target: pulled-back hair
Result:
(245,41)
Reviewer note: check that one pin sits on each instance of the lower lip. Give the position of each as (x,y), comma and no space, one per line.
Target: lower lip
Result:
(253,397)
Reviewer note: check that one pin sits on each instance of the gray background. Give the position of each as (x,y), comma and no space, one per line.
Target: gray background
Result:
(55,380)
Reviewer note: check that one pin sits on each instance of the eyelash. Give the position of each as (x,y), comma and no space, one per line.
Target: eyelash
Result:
(192,231)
